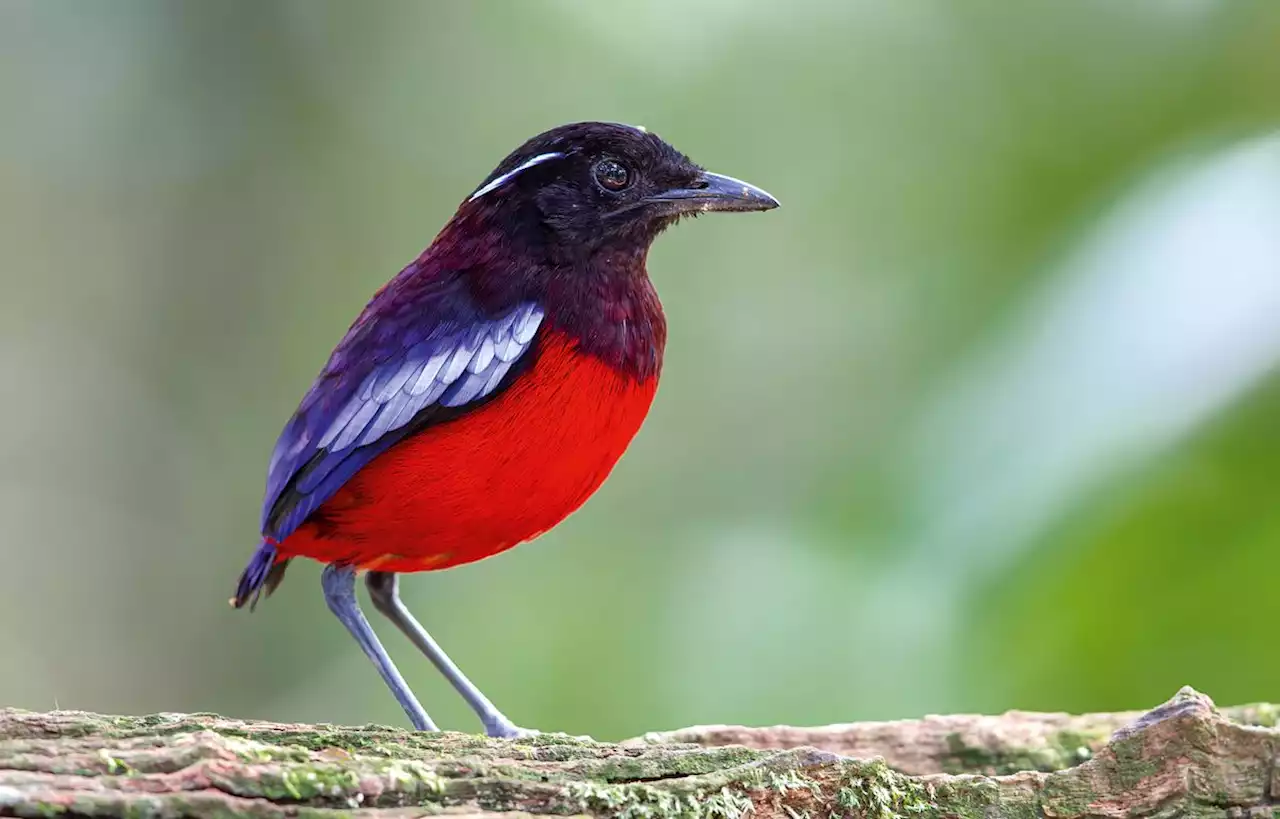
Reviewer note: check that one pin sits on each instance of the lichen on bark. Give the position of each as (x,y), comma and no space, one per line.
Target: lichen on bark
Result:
(1183,757)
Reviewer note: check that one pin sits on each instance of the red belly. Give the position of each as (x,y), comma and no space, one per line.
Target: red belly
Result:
(495,477)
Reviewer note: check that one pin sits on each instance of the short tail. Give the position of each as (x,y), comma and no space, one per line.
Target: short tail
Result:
(263,574)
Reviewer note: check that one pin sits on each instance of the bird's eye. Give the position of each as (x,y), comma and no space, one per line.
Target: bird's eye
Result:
(612,175)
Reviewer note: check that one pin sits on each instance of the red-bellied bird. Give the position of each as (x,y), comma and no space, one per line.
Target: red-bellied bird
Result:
(487,390)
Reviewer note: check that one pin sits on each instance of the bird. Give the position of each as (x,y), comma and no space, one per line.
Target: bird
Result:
(487,390)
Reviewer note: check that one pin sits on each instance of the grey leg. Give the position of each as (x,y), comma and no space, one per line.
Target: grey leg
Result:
(384,592)
(340,593)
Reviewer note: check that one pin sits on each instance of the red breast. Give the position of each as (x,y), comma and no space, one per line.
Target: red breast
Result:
(490,479)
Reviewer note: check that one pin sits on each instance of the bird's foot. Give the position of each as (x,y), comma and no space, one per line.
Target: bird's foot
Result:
(516,732)
(506,729)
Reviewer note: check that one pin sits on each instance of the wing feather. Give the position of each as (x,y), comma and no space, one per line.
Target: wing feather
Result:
(382,382)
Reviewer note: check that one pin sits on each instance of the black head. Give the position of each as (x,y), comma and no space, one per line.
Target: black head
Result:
(597,184)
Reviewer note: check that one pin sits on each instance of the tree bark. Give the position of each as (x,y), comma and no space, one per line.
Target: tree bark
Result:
(1182,758)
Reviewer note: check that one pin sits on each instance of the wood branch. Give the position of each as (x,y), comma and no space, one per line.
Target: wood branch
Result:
(1183,758)
(1008,743)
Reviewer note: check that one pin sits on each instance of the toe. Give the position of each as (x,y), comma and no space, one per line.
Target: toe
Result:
(508,730)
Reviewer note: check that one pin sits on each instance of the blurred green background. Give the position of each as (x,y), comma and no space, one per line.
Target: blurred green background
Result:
(986,416)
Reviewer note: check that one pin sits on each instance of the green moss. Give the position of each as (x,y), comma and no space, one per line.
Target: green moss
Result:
(678,787)
(1067,795)
(257,753)
(142,808)
(402,782)
(790,791)
(322,813)
(114,766)
(303,783)
(876,791)
(670,762)
(156,724)
(371,740)
(1064,750)
(1262,715)
(416,778)
(1073,748)
(49,810)
(962,758)
(551,739)
(787,781)
(971,799)
(652,802)
(1131,765)
(377,740)
(865,790)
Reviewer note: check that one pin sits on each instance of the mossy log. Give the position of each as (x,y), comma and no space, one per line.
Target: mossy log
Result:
(1184,758)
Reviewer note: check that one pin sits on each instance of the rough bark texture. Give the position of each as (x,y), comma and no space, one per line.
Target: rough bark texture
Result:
(1184,758)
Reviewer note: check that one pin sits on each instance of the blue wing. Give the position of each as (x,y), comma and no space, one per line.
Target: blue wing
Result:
(388,378)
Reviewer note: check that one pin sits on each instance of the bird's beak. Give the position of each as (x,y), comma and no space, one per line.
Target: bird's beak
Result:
(713,191)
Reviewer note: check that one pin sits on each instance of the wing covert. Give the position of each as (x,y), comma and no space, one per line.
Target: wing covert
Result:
(381,383)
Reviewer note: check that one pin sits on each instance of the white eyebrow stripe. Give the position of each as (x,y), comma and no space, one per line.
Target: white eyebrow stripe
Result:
(501,180)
